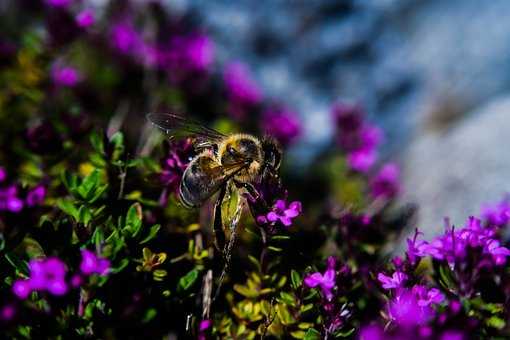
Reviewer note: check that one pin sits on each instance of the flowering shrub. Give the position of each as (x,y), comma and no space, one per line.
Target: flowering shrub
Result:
(94,242)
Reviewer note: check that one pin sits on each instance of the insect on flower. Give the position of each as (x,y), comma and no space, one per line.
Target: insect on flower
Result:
(223,162)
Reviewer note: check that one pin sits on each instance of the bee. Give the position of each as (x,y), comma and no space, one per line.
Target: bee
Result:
(241,159)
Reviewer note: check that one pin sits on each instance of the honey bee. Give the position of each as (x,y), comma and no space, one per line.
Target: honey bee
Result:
(241,159)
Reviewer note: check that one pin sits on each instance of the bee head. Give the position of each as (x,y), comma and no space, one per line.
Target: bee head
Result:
(272,153)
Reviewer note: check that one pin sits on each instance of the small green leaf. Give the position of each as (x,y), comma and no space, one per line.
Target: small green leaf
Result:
(17,262)
(134,219)
(68,207)
(84,215)
(188,280)
(312,334)
(296,279)
(149,315)
(97,193)
(70,180)
(496,322)
(123,264)
(152,233)
(275,249)
(97,142)
(254,261)
(89,184)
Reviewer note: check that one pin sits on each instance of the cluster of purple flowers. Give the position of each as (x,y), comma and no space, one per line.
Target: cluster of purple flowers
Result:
(10,199)
(183,54)
(49,274)
(356,136)
(455,245)
(281,212)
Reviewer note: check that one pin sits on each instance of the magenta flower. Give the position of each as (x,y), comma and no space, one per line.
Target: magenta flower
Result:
(325,281)
(497,214)
(427,296)
(125,38)
(395,281)
(92,264)
(282,213)
(7,312)
(498,252)
(281,124)
(67,76)
(85,18)
(198,52)
(416,248)
(242,90)
(58,3)
(203,328)
(45,275)
(358,138)
(21,288)
(36,196)
(3,174)
(9,200)
(405,310)
(386,183)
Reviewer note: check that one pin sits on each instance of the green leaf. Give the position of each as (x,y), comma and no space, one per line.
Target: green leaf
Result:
(118,145)
(123,264)
(495,322)
(280,237)
(97,142)
(345,334)
(97,193)
(70,180)
(254,261)
(68,207)
(133,219)
(296,279)
(152,233)
(312,334)
(246,291)
(89,184)
(188,280)
(287,298)
(149,315)
(17,262)
(84,215)
(275,249)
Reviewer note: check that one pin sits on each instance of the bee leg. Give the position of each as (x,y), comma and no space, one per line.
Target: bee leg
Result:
(219,234)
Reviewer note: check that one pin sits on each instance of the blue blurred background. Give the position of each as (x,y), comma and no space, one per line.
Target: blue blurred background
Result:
(433,74)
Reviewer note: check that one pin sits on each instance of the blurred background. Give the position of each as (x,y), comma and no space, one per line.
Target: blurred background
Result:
(434,75)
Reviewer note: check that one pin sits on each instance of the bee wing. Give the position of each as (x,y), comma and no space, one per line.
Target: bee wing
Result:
(175,124)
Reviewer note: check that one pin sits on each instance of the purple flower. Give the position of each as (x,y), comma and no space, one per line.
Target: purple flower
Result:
(65,75)
(452,335)
(125,38)
(325,281)
(58,3)
(92,264)
(358,138)
(242,90)
(395,281)
(21,288)
(405,310)
(3,174)
(497,214)
(386,183)
(281,124)
(203,328)
(9,199)
(372,332)
(498,252)
(7,312)
(36,196)
(198,52)
(45,275)
(85,18)
(427,296)
(361,160)
(416,248)
(282,213)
